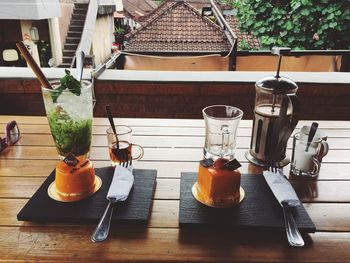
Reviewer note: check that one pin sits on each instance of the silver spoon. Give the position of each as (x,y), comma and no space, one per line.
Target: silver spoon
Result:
(312,133)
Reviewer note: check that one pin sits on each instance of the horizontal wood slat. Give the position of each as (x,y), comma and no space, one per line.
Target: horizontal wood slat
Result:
(171,131)
(165,214)
(166,245)
(19,187)
(100,140)
(169,189)
(172,169)
(151,154)
(163,122)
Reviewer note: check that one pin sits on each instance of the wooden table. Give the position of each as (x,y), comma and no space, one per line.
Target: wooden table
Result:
(171,146)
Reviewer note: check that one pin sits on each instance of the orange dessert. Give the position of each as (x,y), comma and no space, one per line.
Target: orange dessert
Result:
(75,180)
(218,183)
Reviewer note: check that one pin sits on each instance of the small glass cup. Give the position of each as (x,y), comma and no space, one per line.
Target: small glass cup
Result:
(123,151)
(319,135)
(221,123)
(307,163)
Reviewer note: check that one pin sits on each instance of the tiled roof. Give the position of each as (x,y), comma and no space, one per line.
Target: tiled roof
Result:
(177,27)
(251,40)
(199,4)
(139,8)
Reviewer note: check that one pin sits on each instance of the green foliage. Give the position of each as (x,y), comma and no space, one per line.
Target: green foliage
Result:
(299,24)
(159,2)
(120,32)
(67,82)
(244,45)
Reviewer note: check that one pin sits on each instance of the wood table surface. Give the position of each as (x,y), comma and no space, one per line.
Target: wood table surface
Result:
(171,146)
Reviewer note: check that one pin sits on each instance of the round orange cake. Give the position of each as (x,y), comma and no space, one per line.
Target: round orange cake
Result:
(218,185)
(77,180)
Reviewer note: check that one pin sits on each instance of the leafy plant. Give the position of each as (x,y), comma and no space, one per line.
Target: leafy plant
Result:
(299,24)
(120,32)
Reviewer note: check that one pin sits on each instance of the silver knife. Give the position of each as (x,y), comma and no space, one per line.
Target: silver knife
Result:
(119,190)
(288,199)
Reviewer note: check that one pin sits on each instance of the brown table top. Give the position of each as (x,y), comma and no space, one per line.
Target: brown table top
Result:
(171,146)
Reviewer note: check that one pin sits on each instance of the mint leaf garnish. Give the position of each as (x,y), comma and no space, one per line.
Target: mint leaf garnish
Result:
(67,82)
(70,136)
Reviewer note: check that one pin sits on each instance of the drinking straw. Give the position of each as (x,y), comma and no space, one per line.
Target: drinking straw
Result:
(33,65)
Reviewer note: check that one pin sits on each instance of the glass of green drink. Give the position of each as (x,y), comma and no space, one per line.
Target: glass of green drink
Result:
(69,111)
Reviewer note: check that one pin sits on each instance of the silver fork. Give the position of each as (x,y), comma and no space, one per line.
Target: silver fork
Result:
(293,235)
(271,166)
(126,163)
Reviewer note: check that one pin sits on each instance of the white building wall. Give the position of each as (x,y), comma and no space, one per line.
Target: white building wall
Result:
(102,38)
(55,38)
(29,9)
(119,6)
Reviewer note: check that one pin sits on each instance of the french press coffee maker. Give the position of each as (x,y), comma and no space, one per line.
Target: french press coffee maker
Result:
(276,114)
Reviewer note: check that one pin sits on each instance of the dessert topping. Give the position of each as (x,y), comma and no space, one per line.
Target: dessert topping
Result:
(220,162)
(71,160)
(231,165)
(225,164)
(207,162)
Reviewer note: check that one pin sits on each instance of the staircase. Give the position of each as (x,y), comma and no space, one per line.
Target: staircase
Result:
(74,33)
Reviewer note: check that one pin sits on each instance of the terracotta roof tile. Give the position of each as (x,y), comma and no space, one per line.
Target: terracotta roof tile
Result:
(251,40)
(177,26)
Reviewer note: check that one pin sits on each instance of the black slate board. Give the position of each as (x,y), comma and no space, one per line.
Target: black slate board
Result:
(136,208)
(259,208)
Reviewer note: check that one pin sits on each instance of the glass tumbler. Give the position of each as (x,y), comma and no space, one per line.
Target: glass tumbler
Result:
(70,118)
(221,123)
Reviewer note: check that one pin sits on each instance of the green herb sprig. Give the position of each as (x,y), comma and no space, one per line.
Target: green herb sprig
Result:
(67,82)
